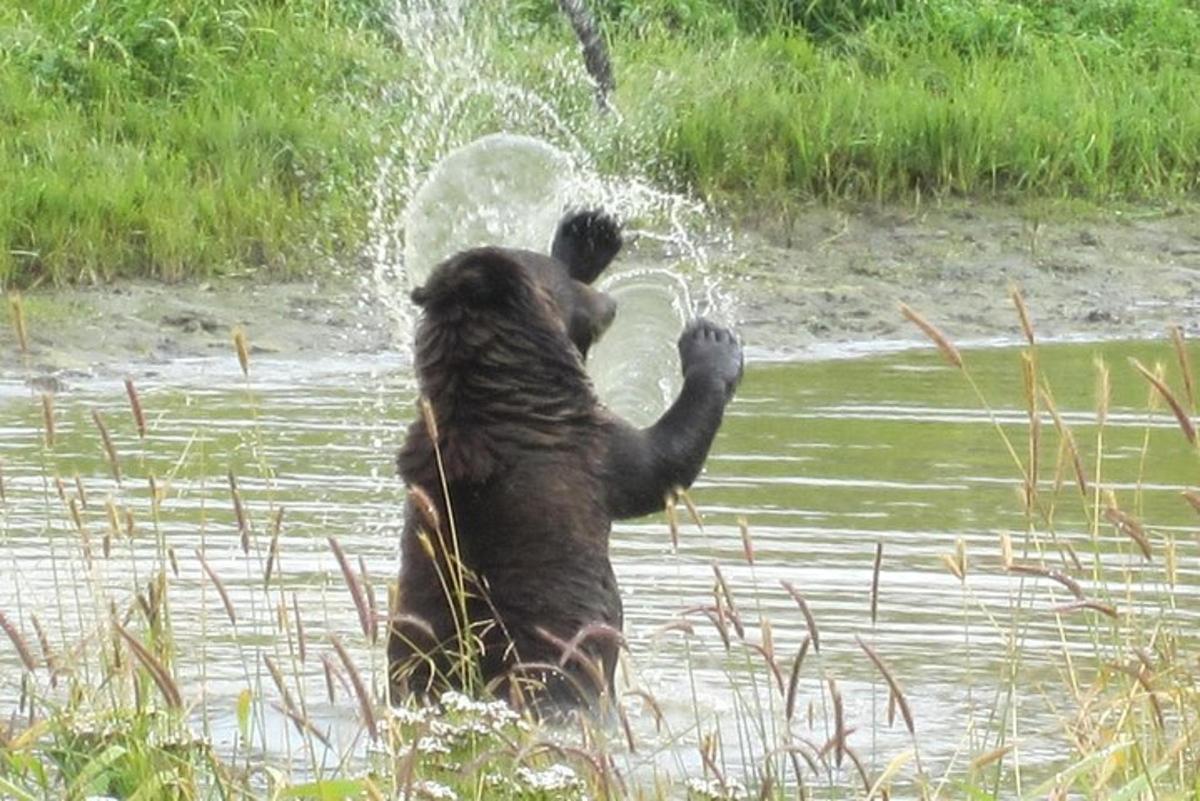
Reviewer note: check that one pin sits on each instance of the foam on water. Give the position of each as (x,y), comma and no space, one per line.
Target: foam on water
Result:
(483,159)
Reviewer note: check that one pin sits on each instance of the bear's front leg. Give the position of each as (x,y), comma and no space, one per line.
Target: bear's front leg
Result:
(643,466)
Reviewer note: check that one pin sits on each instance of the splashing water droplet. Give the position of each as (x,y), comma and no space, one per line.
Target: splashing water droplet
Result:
(485,160)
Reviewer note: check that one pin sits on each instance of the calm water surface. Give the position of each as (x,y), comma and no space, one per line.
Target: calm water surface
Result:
(824,460)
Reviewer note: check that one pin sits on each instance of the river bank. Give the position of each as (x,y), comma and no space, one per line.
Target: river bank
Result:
(824,283)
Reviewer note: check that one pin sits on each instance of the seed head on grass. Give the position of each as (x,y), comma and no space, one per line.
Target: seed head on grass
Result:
(239,512)
(220,586)
(17,311)
(135,406)
(242,347)
(949,352)
(48,418)
(1185,365)
(18,642)
(875,582)
(747,542)
(301,640)
(1014,293)
(1128,525)
(794,678)
(1068,438)
(110,452)
(158,673)
(808,616)
(897,692)
(360,689)
(1185,422)
(357,593)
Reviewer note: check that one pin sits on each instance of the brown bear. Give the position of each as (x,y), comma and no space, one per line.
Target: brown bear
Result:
(517,471)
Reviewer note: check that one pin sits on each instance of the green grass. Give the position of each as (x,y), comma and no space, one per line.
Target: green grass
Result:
(170,139)
(173,139)
(1089,99)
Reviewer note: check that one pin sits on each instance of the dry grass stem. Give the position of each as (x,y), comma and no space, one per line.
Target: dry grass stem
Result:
(840,733)
(17,310)
(110,452)
(897,692)
(1193,499)
(1081,476)
(988,757)
(1095,606)
(220,586)
(426,509)
(357,594)
(242,347)
(360,690)
(44,643)
(135,406)
(280,684)
(747,542)
(1185,422)
(808,616)
(734,617)
(239,512)
(1128,525)
(794,678)
(949,352)
(18,642)
(158,673)
(302,723)
(327,670)
(1058,576)
(875,582)
(1185,365)
(1014,293)
(1103,392)
(48,418)
(301,640)
(369,593)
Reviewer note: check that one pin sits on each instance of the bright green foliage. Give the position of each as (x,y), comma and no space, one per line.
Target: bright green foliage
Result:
(170,138)
(1099,100)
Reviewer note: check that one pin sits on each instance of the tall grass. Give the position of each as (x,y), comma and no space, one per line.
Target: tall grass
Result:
(173,139)
(167,139)
(104,697)
(945,98)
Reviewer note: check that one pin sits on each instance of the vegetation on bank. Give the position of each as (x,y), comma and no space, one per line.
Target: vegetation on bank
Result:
(177,139)
(167,138)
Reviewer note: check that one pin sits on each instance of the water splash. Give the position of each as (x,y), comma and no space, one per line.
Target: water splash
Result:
(483,158)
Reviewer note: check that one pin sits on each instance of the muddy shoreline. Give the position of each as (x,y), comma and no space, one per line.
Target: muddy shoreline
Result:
(824,283)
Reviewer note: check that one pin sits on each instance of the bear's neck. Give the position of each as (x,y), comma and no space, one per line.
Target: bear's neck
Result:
(488,378)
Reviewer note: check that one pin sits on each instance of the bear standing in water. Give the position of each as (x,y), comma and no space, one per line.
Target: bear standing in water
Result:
(535,469)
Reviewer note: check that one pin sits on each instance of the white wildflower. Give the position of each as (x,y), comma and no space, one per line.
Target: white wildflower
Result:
(713,790)
(434,791)
(432,745)
(552,779)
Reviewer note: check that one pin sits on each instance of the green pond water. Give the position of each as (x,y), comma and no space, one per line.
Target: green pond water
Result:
(824,460)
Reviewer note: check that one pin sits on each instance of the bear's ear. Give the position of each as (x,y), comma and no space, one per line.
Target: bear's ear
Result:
(586,242)
(479,277)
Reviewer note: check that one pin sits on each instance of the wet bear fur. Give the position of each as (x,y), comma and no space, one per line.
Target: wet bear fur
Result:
(536,469)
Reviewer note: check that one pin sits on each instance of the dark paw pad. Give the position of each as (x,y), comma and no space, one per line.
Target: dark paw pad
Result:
(587,241)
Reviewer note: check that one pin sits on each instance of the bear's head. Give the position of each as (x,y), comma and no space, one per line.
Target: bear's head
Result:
(523,286)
